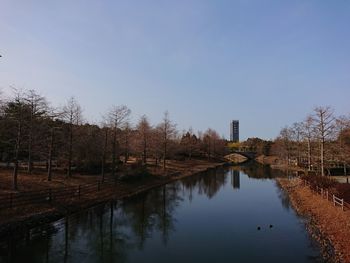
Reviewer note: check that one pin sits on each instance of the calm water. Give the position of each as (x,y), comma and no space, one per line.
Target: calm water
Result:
(212,217)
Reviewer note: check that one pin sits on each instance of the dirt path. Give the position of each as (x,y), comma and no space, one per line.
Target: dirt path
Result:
(331,223)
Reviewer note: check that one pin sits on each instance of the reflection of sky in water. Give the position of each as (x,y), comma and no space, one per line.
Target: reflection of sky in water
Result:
(206,218)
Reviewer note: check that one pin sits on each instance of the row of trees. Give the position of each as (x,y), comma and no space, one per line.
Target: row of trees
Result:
(319,142)
(34,134)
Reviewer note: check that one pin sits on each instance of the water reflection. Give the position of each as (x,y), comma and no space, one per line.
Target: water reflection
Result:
(162,224)
(258,171)
(235,180)
(283,196)
(208,183)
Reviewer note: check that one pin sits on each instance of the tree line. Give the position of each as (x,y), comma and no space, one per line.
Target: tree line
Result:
(36,135)
(320,142)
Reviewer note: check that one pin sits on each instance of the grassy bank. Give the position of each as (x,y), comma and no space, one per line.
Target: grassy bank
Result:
(329,224)
(18,218)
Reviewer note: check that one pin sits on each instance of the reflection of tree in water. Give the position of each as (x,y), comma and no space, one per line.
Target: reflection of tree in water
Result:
(213,182)
(256,170)
(109,239)
(169,200)
(260,171)
(283,196)
(153,210)
(139,211)
(96,234)
(208,183)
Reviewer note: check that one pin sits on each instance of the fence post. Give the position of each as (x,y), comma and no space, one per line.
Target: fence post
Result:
(333,200)
(342,204)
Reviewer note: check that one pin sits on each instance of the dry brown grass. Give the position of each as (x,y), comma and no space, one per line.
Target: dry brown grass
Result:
(268,159)
(38,181)
(186,168)
(332,222)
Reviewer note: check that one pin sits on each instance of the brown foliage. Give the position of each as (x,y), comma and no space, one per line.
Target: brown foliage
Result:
(320,181)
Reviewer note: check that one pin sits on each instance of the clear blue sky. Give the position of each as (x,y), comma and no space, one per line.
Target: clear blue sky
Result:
(266,63)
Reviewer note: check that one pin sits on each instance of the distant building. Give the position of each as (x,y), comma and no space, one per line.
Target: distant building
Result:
(234,135)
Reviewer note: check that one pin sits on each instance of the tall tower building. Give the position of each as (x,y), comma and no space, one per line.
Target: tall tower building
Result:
(234,135)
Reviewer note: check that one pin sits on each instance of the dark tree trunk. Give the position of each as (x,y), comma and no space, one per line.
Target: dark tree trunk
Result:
(30,163)
(126,153)
(104,155)
(144,157)
(30,143)
(70,151)
(164,155)
(114,152)
(49,170)
(17,149)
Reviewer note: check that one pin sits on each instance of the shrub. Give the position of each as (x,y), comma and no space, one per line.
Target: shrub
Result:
(320,181)
(135,172)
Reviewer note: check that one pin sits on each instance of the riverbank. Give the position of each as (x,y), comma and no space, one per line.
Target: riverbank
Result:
(276,163)
(330,225)
(18,219)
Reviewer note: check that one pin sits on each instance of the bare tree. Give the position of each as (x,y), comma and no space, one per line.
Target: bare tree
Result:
(155,145)
(342,125)
(211,141)
(73,116)
(308,132)
(117,117)
(167,130)
(16,111)
(105,131)
(50,155)
(144,132)
(286,136)
(324,124)
(190,143)
(126,141)
(53,115)
(297,136)
(38,107)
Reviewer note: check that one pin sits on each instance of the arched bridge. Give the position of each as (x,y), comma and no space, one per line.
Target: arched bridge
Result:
(250,155)
(246,154)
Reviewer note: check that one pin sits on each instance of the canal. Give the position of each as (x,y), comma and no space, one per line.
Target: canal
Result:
(224,215)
